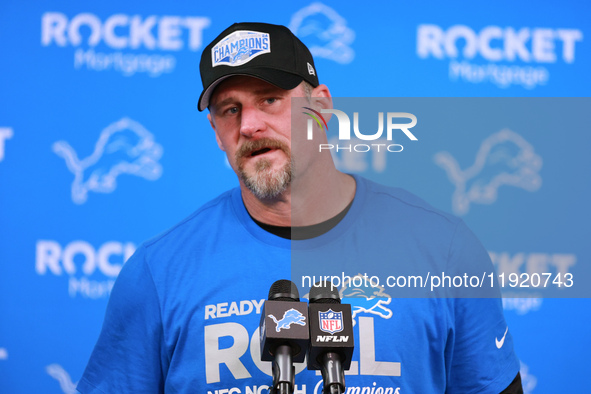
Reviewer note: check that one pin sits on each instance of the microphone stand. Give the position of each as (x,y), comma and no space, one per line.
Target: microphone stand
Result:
(332,374)
(283,371)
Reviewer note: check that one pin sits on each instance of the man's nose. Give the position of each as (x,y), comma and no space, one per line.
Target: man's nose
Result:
(251,122)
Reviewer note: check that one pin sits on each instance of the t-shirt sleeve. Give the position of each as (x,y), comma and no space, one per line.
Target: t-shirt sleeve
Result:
(129,355)
(480,350)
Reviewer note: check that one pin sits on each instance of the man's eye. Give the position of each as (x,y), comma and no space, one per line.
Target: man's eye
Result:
(231,110)
(270,100)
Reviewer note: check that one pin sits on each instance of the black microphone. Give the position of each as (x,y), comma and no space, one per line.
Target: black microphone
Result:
(284,333)
(331,336)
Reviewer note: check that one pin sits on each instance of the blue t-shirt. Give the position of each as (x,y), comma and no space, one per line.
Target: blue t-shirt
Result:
(184,313)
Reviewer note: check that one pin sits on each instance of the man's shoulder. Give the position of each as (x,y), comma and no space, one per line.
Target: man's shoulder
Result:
(402,202)
(204,220)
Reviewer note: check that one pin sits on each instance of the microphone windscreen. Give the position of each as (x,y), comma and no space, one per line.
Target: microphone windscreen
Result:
(284,290)
(324,293)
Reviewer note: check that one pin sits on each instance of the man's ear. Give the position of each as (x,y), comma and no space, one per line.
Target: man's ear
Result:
(217,138)
(322,99)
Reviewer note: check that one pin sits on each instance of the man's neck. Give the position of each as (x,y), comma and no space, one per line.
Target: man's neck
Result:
(303,204)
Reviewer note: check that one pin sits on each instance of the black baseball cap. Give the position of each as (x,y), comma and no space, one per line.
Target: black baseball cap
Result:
(268,52)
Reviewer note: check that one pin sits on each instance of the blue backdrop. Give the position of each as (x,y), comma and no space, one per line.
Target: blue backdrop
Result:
(102,147)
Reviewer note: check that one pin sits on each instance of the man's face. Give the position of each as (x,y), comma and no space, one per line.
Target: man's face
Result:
(252,121)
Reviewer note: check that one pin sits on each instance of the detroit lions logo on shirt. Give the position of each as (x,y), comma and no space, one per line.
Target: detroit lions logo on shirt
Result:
(292,316)
(370,299)
(240,47)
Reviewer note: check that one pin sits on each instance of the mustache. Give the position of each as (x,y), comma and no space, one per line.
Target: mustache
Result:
(252,146)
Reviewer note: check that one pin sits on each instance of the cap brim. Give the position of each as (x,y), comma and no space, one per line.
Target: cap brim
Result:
(281,79)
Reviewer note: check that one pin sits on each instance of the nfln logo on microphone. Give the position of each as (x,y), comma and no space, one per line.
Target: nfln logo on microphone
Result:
(331,321)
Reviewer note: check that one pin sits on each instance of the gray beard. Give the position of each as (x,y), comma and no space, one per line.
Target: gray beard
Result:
(267,183)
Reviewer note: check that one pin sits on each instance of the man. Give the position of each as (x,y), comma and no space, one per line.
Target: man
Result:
(183,315)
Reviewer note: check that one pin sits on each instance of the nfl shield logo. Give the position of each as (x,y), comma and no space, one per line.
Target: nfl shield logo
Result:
(331,321)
